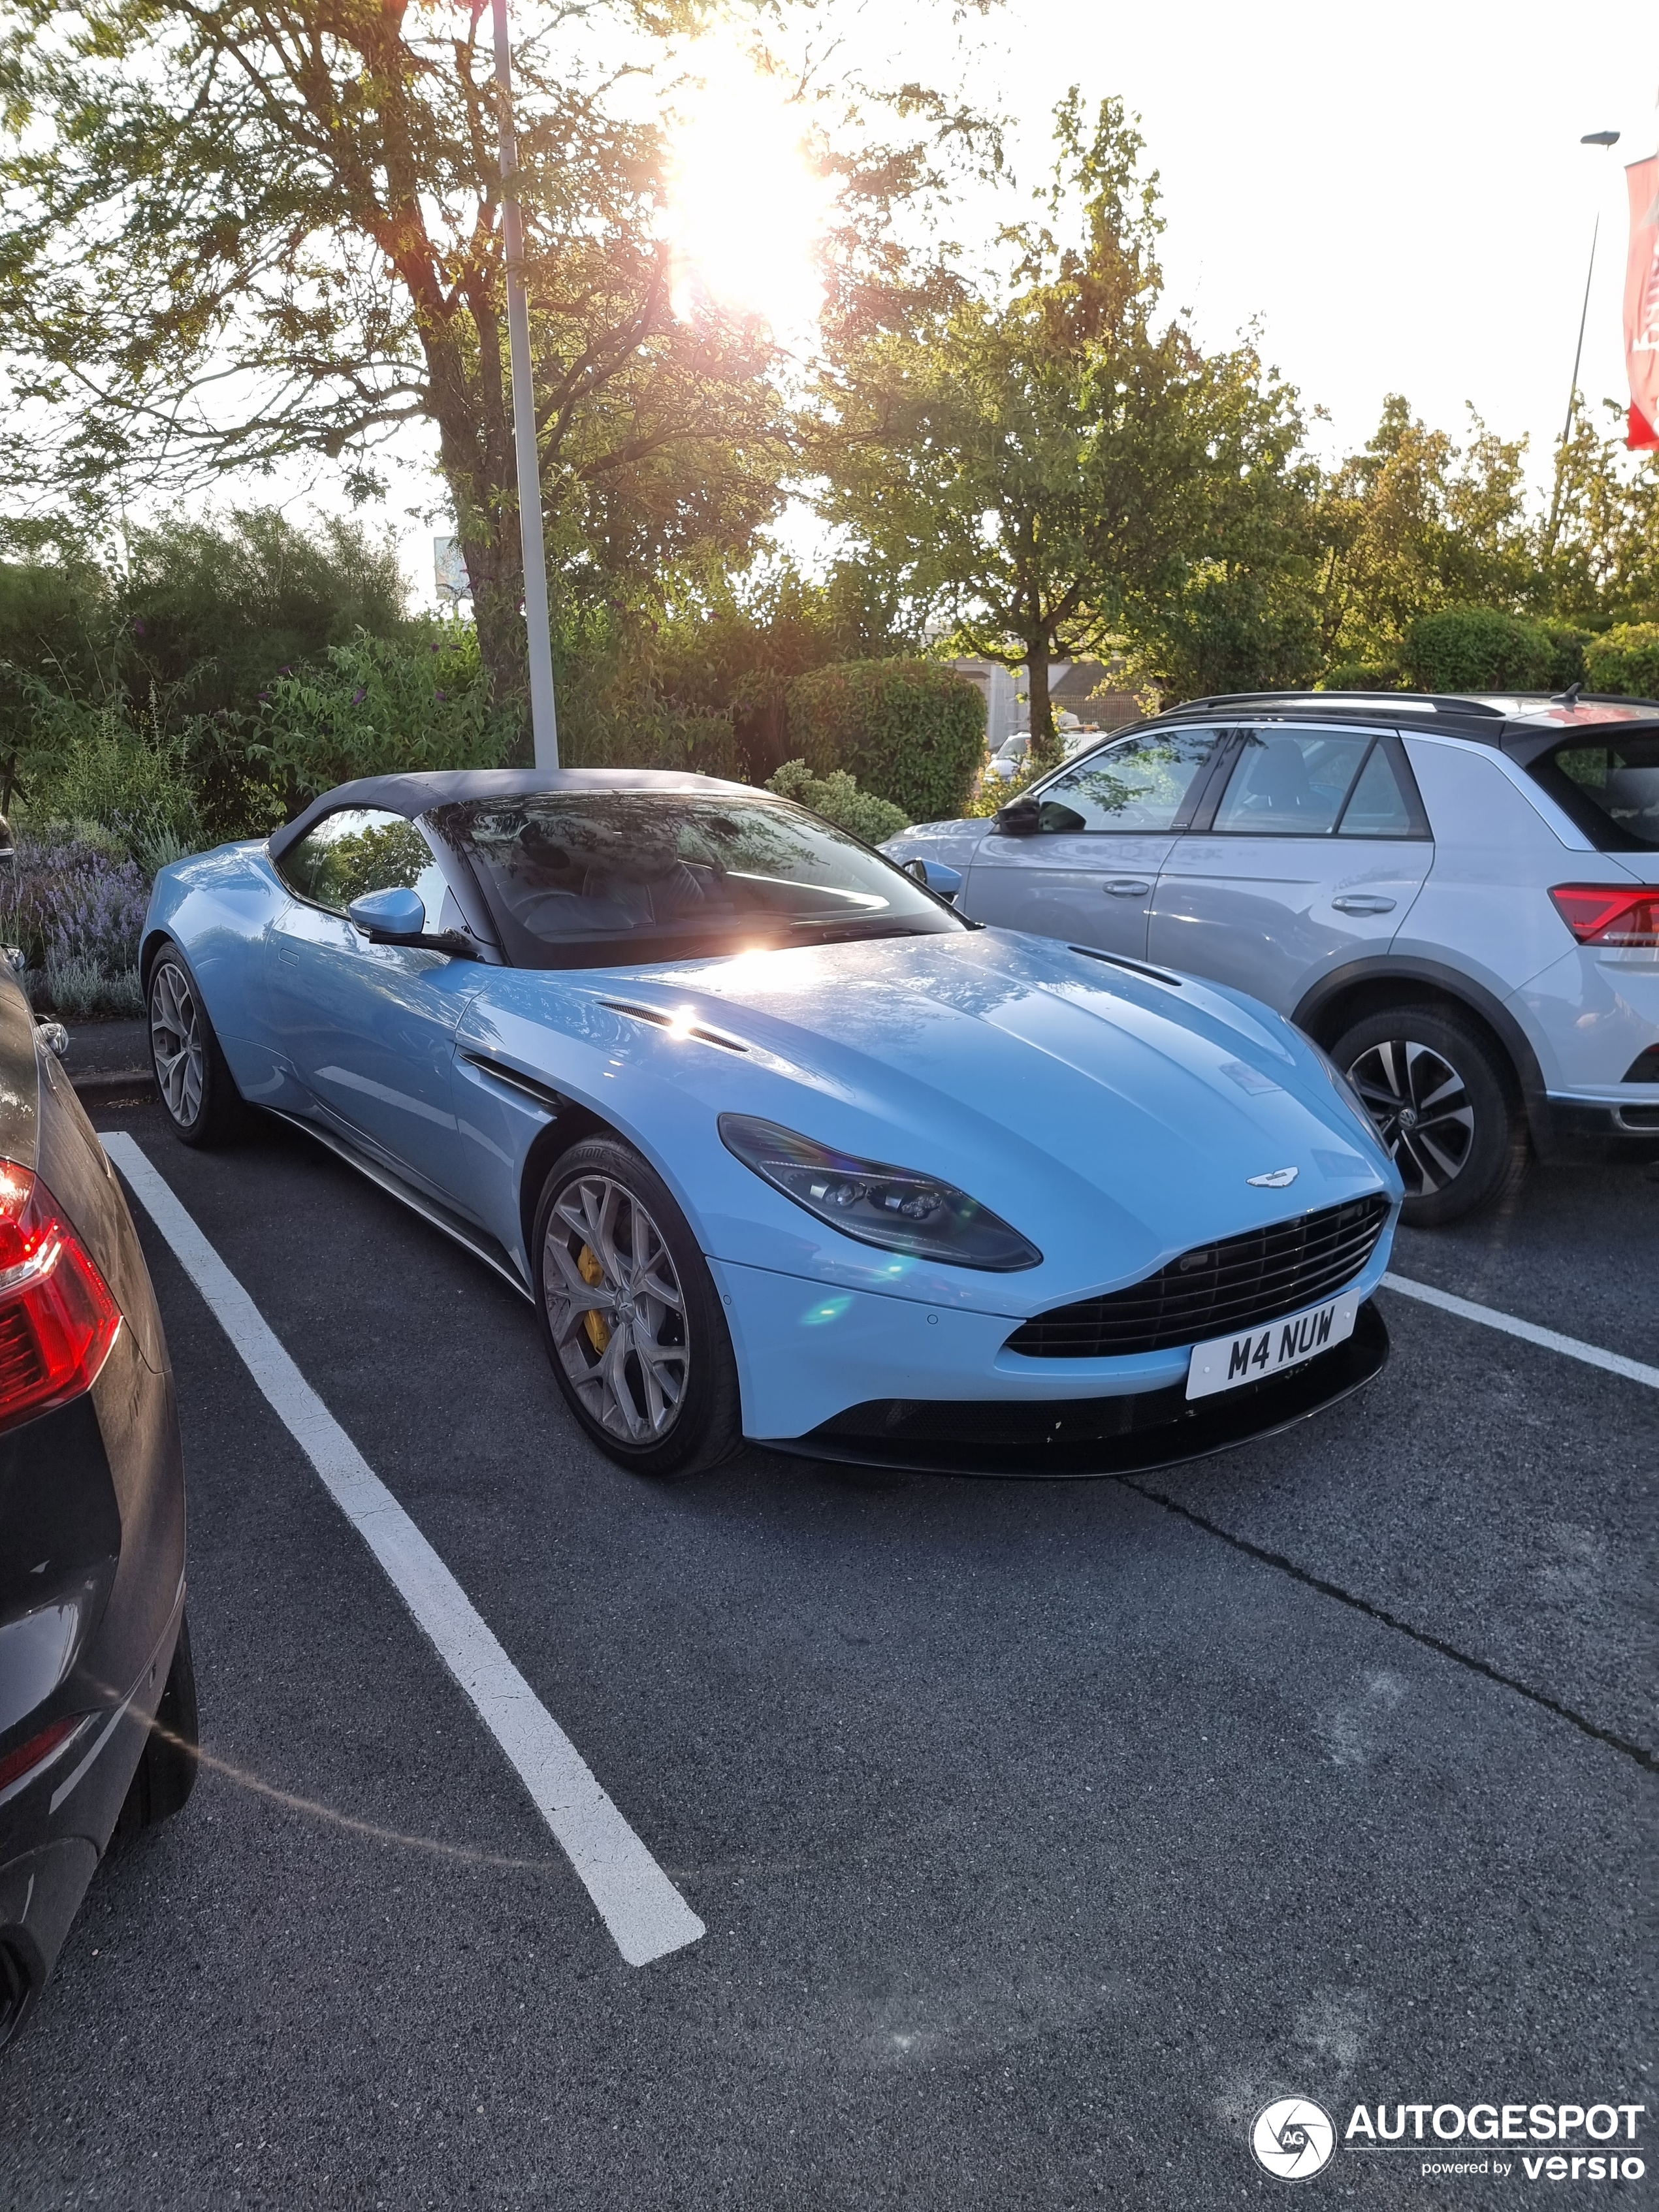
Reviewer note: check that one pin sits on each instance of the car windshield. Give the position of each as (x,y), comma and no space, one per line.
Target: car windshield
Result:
(590,878)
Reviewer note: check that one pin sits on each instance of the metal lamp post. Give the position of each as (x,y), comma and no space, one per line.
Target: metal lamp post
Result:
(1591,138)
(543,722)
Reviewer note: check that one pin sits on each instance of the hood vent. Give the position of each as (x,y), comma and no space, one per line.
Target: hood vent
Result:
(659,1020)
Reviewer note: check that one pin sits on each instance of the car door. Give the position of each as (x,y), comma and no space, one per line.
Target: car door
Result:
(1313,851)
(369,1030)
(1105,826)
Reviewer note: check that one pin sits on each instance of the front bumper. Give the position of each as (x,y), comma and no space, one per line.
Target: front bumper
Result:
(1126,1435)
(813,1360)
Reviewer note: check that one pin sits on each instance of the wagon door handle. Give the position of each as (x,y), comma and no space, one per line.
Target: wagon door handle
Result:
(1125,887)
(288,956)
(1357,905)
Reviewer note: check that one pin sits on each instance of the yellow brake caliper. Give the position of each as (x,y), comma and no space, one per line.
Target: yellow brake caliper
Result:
(599,1329)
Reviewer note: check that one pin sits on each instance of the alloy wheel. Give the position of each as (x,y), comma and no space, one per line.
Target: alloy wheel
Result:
(1421,1107)
(175,1037)
(616,1310)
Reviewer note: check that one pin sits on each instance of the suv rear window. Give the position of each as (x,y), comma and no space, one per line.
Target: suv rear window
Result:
(1609,786)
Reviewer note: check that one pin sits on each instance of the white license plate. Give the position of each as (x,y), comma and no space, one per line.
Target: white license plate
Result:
(1228,1362)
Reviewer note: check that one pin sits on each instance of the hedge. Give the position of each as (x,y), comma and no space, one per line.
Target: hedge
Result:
(911,732)
(1624,659)
(1479,649)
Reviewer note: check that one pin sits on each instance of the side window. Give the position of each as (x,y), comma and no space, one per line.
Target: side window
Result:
(361,849)
(1141,783)
(1381,804)
(1291,783)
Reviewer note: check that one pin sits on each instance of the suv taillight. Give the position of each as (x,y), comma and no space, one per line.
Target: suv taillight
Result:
(58,1320)
(1603,913)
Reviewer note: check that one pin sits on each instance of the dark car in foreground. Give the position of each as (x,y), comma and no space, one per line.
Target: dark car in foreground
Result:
(97,1693)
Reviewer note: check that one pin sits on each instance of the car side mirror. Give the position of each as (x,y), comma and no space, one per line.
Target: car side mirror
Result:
(388,915)
(944,882)
(1021,817)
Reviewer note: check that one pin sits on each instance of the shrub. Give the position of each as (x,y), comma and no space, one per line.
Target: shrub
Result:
(1364,675)
(1624,659)
(106,765)
(1567,655)
(1477,649)
(837,798)
(76,908)
(912,732)
(378,705)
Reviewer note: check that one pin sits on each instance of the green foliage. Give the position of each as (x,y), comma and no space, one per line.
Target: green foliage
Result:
(1412,524)
(1044,468)
(1625,660)
(1364,675)
(732,646)
(912,732)
(1567,645)
(837,798)
(123,772)
(1477,649)
(214,611)
(378,705)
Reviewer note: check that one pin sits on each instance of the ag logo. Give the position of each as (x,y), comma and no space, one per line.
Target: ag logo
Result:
(1293,2138)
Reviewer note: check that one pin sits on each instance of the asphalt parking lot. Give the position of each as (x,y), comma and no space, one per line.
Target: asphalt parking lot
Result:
(1041,1831)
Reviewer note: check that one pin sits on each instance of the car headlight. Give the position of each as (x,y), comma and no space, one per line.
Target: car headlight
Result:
(898,1208)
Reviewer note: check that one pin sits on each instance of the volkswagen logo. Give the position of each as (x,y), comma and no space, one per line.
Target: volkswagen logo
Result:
(1293,2137)
(1275,1179)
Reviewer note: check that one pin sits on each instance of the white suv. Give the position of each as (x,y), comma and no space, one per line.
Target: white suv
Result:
(1457,897)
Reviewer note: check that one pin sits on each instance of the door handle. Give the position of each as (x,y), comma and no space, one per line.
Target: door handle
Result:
(1355,904)
(1125,887)
(289,957)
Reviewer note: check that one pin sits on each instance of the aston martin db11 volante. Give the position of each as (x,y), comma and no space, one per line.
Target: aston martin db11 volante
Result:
(779,1145)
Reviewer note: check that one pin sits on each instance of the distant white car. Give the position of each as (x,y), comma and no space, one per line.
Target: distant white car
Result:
(1457,897)
(1010,756)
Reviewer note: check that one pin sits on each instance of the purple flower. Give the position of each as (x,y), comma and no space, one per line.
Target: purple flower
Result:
(444,695)
(360,695)
(265,695)
(138,630)
(285,671)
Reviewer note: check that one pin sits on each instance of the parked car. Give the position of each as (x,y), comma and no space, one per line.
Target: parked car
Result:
(1009,759)
(778,1145)
(1458,898)
(97,1692)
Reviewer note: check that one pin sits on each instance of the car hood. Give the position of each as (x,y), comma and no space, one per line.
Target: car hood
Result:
(1101,1110)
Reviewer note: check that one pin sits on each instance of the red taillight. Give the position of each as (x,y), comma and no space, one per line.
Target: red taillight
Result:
(36,1750)
(58,1320)
(1608,913)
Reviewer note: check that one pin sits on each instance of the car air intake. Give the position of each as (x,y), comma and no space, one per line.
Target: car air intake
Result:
(1644,1068)
(1244,1282)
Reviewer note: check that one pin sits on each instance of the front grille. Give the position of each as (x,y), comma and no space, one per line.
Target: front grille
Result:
(1240,1283)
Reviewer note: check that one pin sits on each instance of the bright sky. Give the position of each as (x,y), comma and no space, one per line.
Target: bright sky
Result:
(1398,196)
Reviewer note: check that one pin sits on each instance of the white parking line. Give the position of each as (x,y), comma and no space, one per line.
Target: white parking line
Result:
(639,1905)
(1575,1348)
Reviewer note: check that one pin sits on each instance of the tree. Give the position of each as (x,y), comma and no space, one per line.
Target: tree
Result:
(1038,465)
(1414,523)
(1600,563)
(241,230)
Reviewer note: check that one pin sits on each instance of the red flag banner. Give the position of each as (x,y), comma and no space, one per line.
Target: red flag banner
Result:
(1642,304)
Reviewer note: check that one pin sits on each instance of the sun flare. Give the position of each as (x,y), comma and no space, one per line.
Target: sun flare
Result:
(746,204)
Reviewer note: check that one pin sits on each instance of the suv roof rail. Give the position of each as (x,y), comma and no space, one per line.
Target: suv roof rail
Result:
(1375,702)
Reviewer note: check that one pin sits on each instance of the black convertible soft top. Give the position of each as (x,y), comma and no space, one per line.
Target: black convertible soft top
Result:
(413,794)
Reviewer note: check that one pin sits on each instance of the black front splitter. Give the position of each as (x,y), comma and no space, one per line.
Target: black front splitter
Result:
(1080,1437)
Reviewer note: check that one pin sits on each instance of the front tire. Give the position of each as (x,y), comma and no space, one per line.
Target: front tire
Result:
(195,1083)
(630,1316)
(1446,1106)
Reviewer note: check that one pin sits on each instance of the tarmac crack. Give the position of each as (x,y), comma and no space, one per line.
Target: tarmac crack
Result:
(1260,1552)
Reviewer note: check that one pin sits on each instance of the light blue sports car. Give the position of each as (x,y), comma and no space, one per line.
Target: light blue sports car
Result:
(781,1147)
